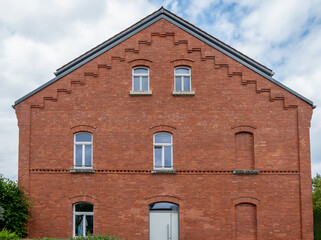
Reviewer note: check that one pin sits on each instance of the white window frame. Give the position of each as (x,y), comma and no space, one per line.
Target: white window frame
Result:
(140,75)
(163,145)
(182,75)
(83,144)
(84,214)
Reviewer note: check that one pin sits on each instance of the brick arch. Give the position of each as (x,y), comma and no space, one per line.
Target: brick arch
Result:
(243,128)
(162,128)
(140,62)
(246,199)
(82,198)
(82,128)
(182,61)
(163,198)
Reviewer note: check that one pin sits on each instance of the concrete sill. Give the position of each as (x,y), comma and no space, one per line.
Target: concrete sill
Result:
(140,93)
(163,171)
(82,170)
(183,93)
(246,171)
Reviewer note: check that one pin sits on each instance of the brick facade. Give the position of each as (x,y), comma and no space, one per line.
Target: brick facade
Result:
(237,119)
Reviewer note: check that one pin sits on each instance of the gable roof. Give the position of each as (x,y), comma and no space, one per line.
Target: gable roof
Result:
(162,13)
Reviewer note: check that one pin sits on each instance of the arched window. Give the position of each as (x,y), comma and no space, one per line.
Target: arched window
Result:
(83,219)
(182,79)
(140,79)
(163,150)
(163,221)
(83,150)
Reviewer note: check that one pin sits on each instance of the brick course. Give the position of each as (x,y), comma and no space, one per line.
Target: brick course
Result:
(229,98)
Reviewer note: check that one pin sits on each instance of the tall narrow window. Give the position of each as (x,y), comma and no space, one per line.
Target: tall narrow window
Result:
(140,79)
(182,79)
(83,150)
(163,150)
(245,221)
(83,219)
(244,150)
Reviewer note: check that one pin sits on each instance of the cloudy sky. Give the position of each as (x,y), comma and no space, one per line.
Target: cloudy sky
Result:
(37,37)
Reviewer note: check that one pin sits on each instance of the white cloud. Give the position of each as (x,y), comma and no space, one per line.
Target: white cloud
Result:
(41,36)
(196,8)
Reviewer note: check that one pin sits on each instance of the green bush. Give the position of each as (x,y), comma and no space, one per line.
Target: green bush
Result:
(316,196)
(91,237)
(15,207)
(7,235)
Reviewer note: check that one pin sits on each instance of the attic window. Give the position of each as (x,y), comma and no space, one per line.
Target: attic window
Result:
(182,82)
(182,79)
(140,81)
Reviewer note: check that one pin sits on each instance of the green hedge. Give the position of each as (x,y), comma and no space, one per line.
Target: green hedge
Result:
(14,207)
(93,237)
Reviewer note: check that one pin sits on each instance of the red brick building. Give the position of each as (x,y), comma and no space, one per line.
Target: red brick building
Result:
(164,132)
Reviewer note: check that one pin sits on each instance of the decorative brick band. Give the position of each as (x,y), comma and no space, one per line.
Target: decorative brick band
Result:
(148,171)
(189,50)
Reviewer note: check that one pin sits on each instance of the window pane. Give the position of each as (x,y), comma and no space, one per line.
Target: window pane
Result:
(136,84)
(163,206)
(158,157)
(79,225)
(163,138)
(84,207)
(181,71)
(83,137)
(78,156)
(89,225)
(168,157)
(88,156)
(187,86)
(140,71)
(178,86)
(145,83)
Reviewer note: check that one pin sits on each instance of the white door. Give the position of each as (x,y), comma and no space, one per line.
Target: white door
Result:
(163,225)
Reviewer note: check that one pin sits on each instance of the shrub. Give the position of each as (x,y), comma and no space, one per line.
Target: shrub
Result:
(91,237)
(15,206)
(7,235)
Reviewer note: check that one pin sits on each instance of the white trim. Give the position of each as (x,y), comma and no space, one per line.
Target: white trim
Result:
(162,146)
(140,75)
(137,93)
(183,93)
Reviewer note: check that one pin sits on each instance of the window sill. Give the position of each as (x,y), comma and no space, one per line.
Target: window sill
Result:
(82,170)
(183,93)
(246,172)
(140,93)
(163,171)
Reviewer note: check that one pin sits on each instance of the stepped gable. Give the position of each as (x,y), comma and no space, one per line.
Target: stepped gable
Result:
(186,26)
